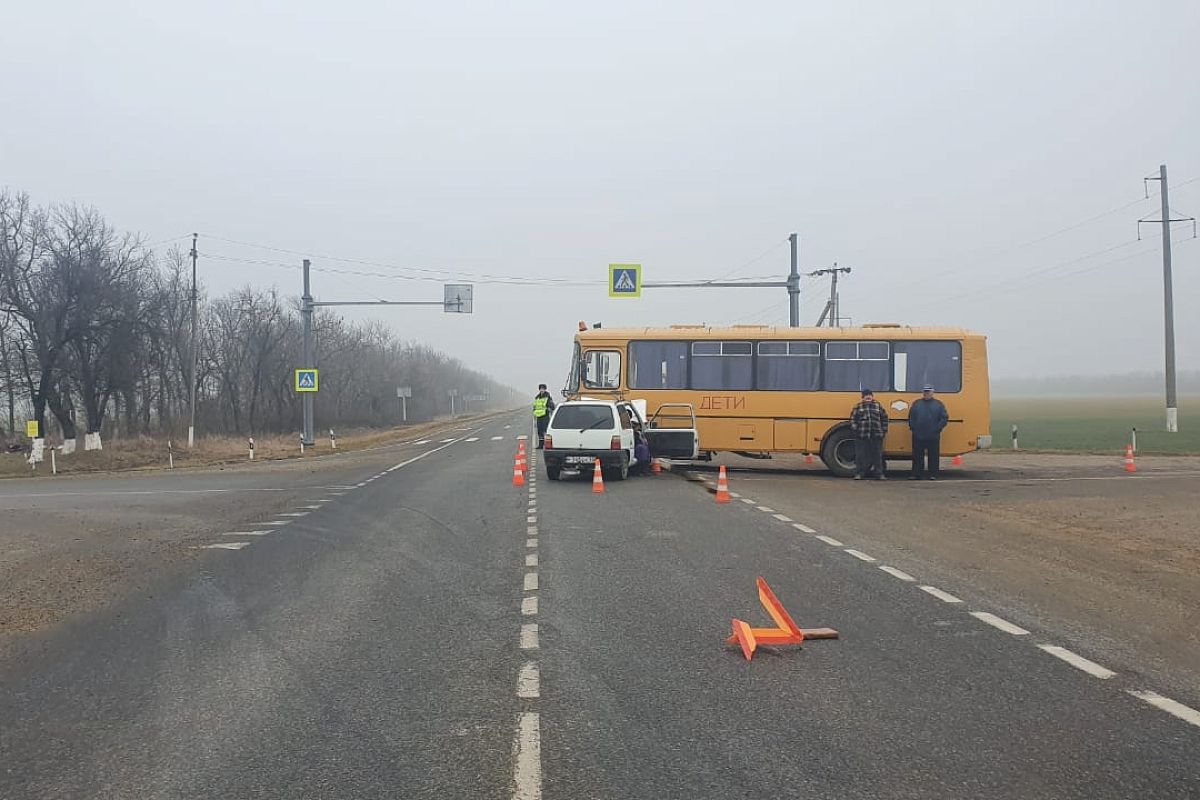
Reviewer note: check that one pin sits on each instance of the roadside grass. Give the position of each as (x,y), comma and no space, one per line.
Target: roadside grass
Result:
(151,453)
(1095,424)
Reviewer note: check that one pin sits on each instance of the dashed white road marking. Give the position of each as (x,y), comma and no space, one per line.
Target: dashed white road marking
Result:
(531,520)
(783,518)
(735,495)
(945,597)
(829,540)
(275,522)
(226,546)
(522,437)
(529,684)
(532,543)
(897,573)
(294,514)
(529,606)
(337,494)
(529,636)
(801,527)
(360,485)
(748,501)
(527,758)
(423,441)
(1185,713)
(531,581)
(448,441)
(531,530)
(1078,661)
(497,438)
(507,427)
(314,507)
(766,510)
(860,554)
(473,439)
(247,533)
(531,560)
(997,622)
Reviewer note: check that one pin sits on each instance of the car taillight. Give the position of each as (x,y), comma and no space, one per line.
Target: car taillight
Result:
(549,442)
(615,444)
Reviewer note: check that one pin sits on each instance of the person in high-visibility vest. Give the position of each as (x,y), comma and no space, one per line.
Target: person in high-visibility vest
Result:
(543,404)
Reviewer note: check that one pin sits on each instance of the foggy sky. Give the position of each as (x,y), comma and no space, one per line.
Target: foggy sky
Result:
(927,146)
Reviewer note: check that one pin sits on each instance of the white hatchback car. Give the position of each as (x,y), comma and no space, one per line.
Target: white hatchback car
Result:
(584,430)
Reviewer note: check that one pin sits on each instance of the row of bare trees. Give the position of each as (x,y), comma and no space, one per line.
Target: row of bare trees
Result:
(96,333)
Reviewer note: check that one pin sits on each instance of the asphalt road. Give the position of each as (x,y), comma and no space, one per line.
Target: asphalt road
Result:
(438,632)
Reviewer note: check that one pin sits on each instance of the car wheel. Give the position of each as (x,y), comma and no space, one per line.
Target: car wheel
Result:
(838,452)
(552,472)
(622,471)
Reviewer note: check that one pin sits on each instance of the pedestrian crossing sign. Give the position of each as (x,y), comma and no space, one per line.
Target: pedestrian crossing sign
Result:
(306,380)
(624,280)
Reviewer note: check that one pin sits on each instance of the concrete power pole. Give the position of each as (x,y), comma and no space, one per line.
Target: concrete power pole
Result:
(192,357)
(306,313)
(793,282)
(1168,296)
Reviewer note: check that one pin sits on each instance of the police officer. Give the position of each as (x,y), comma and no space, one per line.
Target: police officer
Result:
(543,404)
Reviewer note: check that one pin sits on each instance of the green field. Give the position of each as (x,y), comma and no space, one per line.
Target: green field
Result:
(1095,424)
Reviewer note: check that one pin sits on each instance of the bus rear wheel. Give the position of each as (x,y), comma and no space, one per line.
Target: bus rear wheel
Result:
(838,452)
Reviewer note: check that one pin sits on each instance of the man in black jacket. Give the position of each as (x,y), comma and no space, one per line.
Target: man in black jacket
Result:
(869,423)
(926,419)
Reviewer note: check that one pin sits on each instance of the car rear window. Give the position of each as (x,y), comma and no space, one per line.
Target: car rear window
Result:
(582,416)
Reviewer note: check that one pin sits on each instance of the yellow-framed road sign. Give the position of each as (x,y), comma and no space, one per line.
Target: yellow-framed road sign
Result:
(307,380)
(624,280)
(31,429)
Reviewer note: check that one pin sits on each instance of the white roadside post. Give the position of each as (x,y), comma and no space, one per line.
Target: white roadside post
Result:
(301,444)
(1014,437)
(251,448)
(170,454)
(332,439)
(53,461)
(1133,439)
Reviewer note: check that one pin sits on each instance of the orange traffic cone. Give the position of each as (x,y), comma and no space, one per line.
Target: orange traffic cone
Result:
(808,459)
(597,479)
(723,487)
(522,457)
(518,475)
(655,466)
(957,461)
(1129,465)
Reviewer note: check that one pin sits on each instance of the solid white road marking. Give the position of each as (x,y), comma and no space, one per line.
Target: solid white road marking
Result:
(1078,661)
(829,540)
(360,485)
(527,759)
(529,684)
(860,554)
(945,597)
(226,546)
(801,527)
(531,560)
(529,636)
(529,606)
(247,533)
(507,427)
(1185,713)
(1002,624)
(531,581)
(531,543)
(766,510)
(337,494)
(896,573)
(783,518)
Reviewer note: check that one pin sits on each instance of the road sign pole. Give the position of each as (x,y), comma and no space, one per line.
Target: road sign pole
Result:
(306,312)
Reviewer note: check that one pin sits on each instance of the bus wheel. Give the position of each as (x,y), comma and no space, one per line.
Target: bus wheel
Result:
(838,452)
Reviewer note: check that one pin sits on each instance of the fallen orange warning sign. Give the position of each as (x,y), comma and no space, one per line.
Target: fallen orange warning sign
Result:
(786,631)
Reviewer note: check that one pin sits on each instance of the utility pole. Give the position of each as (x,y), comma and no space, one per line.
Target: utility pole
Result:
(192,358)
(1168,293)
(832,311)
(793,283)
(306,314)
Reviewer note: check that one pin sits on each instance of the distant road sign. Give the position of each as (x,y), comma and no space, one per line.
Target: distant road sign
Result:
(624,280)
(307,380)
(31,429)
(404,391)
(459,298)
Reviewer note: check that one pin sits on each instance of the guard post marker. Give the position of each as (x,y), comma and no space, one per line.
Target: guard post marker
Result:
(1014,437)
(302,444)
(170,454)
(251,448)
(332,439)
(53,461)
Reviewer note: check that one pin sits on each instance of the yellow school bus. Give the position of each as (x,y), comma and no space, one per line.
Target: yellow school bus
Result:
(759,390)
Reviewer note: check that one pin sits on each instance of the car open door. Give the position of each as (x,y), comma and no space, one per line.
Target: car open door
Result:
(671,432)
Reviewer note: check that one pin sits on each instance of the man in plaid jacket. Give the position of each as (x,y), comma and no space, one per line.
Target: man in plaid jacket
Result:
(869,422)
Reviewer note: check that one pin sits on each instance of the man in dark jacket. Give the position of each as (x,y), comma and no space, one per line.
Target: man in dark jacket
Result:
(543,405)
(869,422)
(926,419)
